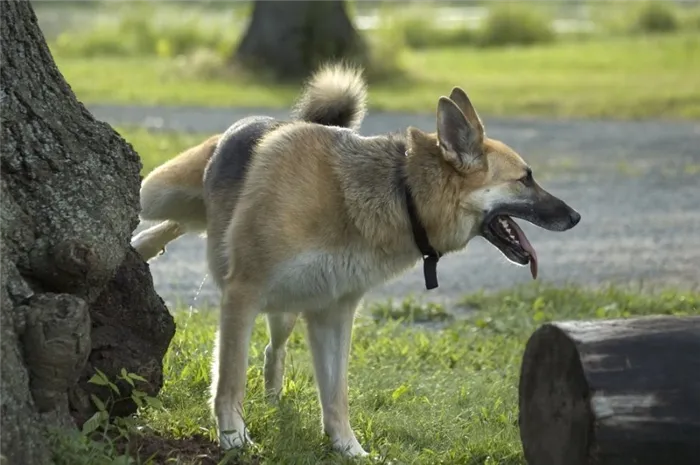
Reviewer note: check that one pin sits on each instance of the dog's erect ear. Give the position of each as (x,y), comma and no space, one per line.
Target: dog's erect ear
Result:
(459,140)
(459,97)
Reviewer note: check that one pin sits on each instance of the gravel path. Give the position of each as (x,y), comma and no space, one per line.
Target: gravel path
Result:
(636,185)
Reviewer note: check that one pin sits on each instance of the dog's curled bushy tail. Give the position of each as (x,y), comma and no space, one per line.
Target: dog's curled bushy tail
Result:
(335,95)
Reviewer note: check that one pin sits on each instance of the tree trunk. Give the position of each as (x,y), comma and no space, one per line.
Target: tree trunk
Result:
(613,392)
(289,39)
(74,295)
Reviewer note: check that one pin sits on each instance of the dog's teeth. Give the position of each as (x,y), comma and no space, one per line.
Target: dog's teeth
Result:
(508,230)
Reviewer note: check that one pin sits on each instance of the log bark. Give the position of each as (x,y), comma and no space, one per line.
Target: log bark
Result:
(288,40)
(74,295)
(612,392)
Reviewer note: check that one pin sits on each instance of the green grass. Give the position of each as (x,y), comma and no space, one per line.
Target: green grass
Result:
(656,16)
(156,148)
(646,76)
(146,29)
(418,395)
(512,24)
(504,24)
(644,17)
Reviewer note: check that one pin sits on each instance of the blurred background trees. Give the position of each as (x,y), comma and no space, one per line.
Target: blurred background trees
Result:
(289,39)
(284,40)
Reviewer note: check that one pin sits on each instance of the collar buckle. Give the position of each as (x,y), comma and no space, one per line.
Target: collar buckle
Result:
(420,237)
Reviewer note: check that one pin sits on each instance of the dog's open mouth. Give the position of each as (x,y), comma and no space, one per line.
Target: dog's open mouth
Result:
(506,235)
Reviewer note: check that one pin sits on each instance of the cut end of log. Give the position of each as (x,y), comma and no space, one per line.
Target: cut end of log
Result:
(555,418)
(612,392)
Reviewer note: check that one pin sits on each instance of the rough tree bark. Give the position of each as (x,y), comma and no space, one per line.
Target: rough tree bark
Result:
(612,392)
(289,39)
(74,295)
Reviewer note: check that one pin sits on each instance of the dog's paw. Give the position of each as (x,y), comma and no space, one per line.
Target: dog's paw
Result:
(234,440)
(349,447)
(146,247)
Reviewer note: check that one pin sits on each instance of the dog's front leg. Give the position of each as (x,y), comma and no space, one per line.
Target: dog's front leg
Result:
(238,311)
(330,333)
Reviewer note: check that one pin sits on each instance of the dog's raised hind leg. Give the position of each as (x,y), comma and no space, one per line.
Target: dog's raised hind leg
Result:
(152,241)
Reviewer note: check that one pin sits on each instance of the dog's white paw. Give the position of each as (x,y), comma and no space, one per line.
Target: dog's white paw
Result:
(349,447)
(146,246)
(234,439)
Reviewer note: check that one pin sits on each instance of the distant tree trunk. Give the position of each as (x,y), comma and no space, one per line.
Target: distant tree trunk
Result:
(74,295)
(289,39)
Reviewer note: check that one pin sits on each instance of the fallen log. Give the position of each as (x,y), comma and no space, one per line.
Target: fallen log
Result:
(612,392)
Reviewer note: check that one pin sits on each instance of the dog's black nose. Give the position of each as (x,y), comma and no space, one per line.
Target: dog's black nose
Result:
(574,217)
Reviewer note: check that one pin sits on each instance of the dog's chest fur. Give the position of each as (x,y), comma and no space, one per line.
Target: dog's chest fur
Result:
(315,280)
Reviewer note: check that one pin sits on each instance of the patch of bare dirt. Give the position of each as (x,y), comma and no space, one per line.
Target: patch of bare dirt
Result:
(195,450)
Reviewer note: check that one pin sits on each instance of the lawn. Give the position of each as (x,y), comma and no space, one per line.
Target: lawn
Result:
(443,393)
(653,76)
(155,148)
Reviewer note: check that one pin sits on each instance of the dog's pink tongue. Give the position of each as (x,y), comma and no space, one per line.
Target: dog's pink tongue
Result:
(533,257)
(525,243)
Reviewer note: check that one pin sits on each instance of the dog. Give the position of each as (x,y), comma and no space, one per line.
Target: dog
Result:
(303,217)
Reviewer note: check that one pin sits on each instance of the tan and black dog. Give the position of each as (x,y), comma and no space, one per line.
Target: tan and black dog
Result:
(305,216)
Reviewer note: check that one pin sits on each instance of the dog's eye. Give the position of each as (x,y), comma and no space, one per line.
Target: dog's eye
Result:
(527,179)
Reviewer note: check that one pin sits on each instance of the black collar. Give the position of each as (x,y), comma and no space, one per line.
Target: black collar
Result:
(420,237)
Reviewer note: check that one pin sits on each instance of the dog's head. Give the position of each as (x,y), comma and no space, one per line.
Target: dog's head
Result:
(480,184)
